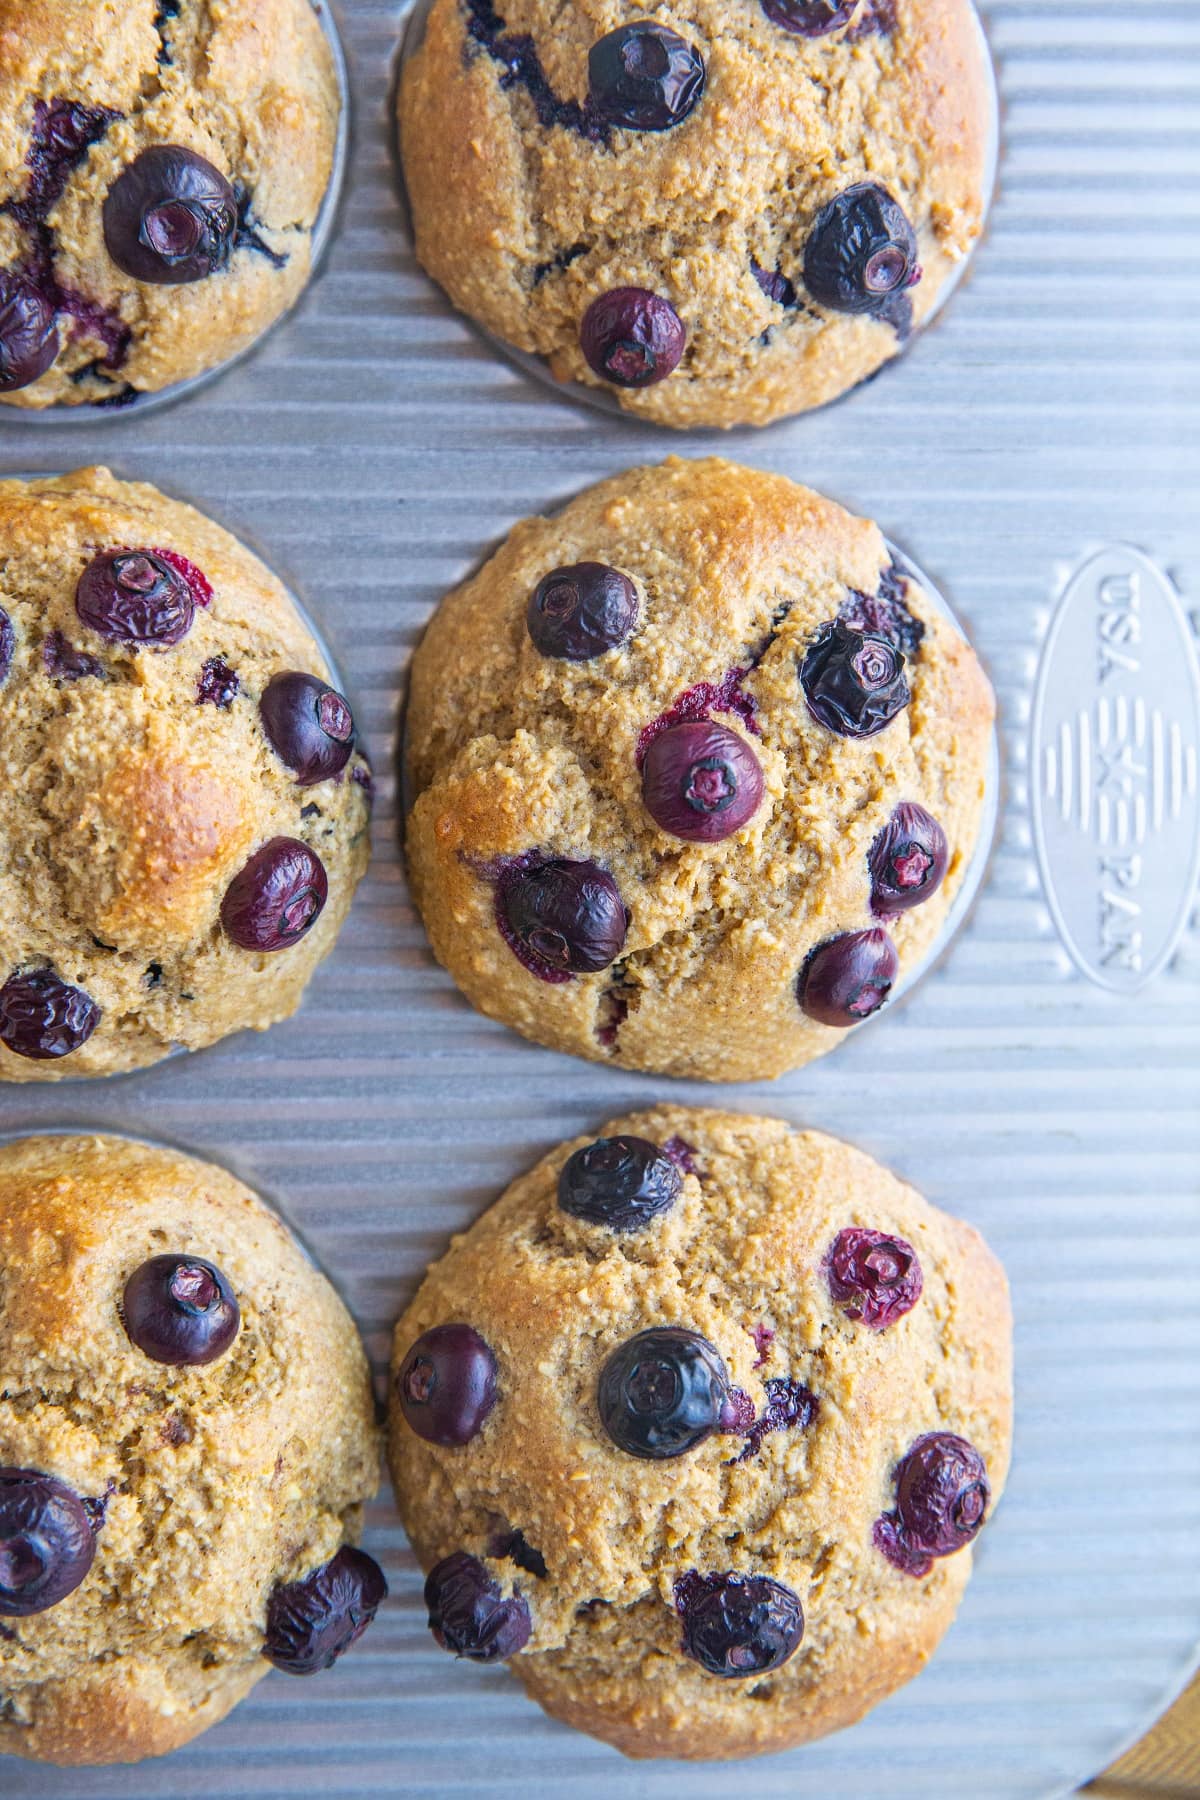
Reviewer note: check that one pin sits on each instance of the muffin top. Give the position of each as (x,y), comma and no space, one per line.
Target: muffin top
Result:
(698,1423)
(719,215)
(182,1447)
(183,813)
(160,177)
(696,769)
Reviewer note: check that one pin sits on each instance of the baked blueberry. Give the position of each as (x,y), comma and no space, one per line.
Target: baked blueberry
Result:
(310,1623)
(135,597)
(180,1310)
(942,1497)
(848,978)
(791,1406)
(308,724)
(28,332)
(561,917)
(854,683)
(886,612)
(619,1182)
(737,1625)
(860,251)
(276,898)
(43,1017)
(581,611)
(809,18)
(170,217)
(217,684)
(447,1385)
(907,860)
(663,1392)
(469,1616)
(8,644)
(701,781)
(873,1276)
(632,337)
(644,76)
(47,1542)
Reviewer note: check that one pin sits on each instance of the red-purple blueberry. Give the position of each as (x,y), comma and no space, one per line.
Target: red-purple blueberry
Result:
(875,1278)
(308,724)
(170,217)
(701,782)
(135,597)
(43,1017)
(447,1385)
(848,978)
(469,1616)
(632,337)
(180,1311)
(581,611)
(47,1542)
(644,76)
(619,1182)
(942,1497)
(276,898)
(737,1625)
(907,860)
(28,332)
(310,1623)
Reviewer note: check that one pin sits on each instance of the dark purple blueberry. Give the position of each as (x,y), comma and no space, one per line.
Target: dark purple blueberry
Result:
(581,611)
(43,1017)
(47,1542)
(28,332)
(848,978)
(619,1182)
(809,18)
(63,662)
(180,1310)
(873,1277)
(308,724)
(738,1625)
(514,1546)
(854,683)
(860,251)
(907,860)
(791,1406)
(469,1616)
(885,613)
(774,284)
(701,782)
(562,917)
(942,1497)
(217,685)
(275,899)
(632,337)
(662,1392)
(8,644)
(644,76)
(447,1385)
(170,217)
(135,597)
(311,1623)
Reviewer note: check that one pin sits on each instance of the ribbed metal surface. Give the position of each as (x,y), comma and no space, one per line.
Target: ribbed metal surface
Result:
(373,451)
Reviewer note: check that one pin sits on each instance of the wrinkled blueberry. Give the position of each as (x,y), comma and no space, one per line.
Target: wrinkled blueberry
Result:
(632,337)
(854,683)
(738,1625)
(774,284)
(28,332)
(277,897)
(217,684)
(170,217)
(42,1016)
(561,917)
(311,1623)
(468,1615)
(662,1392)
(809,18)
(644,76)
(447,1385)
(907,860)
(885,613)
(47,1542)
(873,1277)
(180,1310)
(942,1497)
(135,597)
(861,250)
(701,782)
(308,724)
(790,1406)
(8,644)
(620,1182)
(581,611)
(848,978)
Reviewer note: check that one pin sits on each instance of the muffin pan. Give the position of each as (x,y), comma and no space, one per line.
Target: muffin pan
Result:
(375,448)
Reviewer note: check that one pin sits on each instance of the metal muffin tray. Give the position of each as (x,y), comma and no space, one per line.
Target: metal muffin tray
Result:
(1036,447)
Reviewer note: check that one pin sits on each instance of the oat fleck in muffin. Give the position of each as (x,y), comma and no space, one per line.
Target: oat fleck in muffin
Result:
(183,809)
(719,213)
(698,1424)
(161,171)
(696,771)
(186,1439)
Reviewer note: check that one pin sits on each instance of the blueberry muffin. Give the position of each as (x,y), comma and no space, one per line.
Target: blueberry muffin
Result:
(187,1434)
(183,810)
(718,215)
(161,172)
(697,1424)
(697,769)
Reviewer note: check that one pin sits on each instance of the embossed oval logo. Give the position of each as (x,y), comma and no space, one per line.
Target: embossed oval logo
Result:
(1113,768)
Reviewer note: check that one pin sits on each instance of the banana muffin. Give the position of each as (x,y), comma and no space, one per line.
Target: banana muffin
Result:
(697,1424)
(183,810)
(161,172)
(696,770)
(187,1434)
(718,215)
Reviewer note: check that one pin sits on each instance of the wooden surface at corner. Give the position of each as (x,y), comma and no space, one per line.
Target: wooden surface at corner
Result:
(1165,1765)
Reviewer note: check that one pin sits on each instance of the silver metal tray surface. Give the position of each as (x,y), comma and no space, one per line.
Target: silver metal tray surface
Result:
(1043,1081)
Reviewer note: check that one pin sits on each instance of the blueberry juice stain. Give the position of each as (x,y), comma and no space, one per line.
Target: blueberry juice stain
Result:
(517,55)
